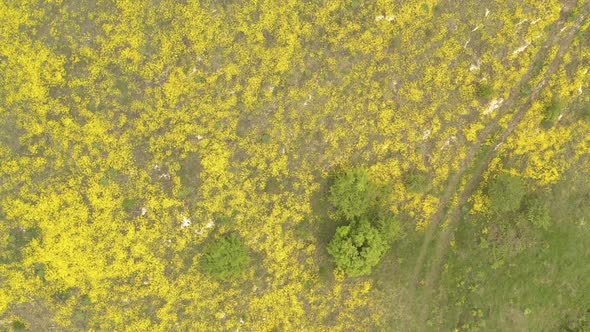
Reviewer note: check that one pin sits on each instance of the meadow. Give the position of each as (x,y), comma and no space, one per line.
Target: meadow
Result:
(320,165)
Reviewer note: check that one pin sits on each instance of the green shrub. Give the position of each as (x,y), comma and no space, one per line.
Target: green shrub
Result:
(484,90)
(39,269)
(506,192)
(130,204)
(571,15)
(384,220)
(79,315)
(525,90)
(353,193)
(552,112)
(225,258)
(264,138)
(357,247)
(536,210)
(17,325)
(512,236)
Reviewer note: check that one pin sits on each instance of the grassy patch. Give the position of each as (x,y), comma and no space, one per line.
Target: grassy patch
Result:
(417,181)
(18,239)
(542,287)
(130,204)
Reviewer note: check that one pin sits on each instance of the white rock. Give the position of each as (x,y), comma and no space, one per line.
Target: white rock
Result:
(494,105)
(426,134)
(379,18)
(390,18)
(521,49)
(487,12)
(474,66)
(143,211)
(448,142)
(185,222)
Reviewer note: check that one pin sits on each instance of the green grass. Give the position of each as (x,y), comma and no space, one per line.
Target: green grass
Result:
(484,286)
(545,287)
(534,290)
(418,181)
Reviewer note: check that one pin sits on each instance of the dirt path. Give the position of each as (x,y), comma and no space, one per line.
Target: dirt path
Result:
(453,183)
(443,239)
(473,183)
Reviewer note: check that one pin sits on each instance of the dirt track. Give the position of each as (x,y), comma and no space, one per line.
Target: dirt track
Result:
(451,213)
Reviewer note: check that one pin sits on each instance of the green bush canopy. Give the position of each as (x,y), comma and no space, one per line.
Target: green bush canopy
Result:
(225,258)
(357,247)
(353,193)
(506,192)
